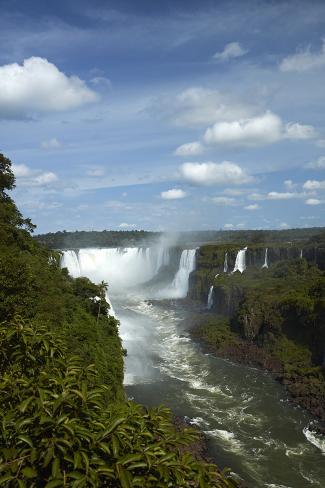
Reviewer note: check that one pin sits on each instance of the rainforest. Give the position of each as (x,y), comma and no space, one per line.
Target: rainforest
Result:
(95,339)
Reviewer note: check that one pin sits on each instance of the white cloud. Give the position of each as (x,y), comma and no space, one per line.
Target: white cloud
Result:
(45,178)
(275,195)
(299,131)
(314,185)
(28,177)
(290,185)
(284,225)
(21,170)
(318,164)
(304,60)
(173,194)
(224,201)
(252,207)
(228,226)
(190,149)
(51,144)
(125,225)
(314,201)
(214,174)
(197,106)
(231,50)
(37,86)
(256,131)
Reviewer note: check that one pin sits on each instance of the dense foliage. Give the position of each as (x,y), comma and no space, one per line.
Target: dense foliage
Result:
(273,318)
(64,420)
(135,238)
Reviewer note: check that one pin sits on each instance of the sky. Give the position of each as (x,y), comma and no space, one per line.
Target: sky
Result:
(165,115)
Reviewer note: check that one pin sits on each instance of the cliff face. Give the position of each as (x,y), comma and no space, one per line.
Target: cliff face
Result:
(270,317)
(210,261)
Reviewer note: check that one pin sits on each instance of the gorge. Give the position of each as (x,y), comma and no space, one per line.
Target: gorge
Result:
(247,417)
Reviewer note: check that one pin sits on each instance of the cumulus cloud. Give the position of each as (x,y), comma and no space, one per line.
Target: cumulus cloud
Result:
(214,174)
(314,185)
(284,225)
(224,201)
(318,164)
(256,131)
(231,50)
(28,177)
(198,106)
(38,86)
(313,201)
(190,149)
(252,207)
(173,194)
(228,226)
(304,60)
(51,144)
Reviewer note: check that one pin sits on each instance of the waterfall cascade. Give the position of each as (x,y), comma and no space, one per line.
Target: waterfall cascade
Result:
(300,253)
(265,265)
(120,267)
(240,264)
(225,265)
(179,286)
(127,267)
(210,298)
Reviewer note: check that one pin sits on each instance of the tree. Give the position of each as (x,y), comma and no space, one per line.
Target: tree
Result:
(7,178)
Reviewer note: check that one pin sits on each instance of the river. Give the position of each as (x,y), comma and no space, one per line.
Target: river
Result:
(250,425)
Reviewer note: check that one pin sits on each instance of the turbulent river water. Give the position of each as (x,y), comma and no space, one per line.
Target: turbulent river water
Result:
(249,422)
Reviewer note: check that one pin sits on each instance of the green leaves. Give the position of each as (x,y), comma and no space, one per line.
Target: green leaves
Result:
(58,430)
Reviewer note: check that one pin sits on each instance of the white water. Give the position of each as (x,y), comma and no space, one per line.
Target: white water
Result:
(240,264)
(179,286)
(314,439)
(125,268)
(225,265)
(265,265)
(243,411)
(120,267)
(210,298)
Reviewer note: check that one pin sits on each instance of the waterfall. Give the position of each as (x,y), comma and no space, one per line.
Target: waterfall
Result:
(210,298)
(225,265)
(70,260)
(163,258)
(120,267)
(124,268)
(265,265)
(179,286)
(240,264)
(300,253)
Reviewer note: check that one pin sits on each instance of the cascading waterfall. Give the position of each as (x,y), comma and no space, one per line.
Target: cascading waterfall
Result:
(123,268)
(120,267)
(179,286)
(265,265)
(300,253)
(210,298)
(240,264)
(70,260)
(225,265)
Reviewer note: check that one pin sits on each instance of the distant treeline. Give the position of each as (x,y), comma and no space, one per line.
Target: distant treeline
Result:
(134,238)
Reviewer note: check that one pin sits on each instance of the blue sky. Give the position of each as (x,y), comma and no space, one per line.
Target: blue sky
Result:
(165,115)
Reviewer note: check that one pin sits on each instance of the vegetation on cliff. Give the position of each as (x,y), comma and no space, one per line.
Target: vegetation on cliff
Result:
(273,318)
(64,420)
